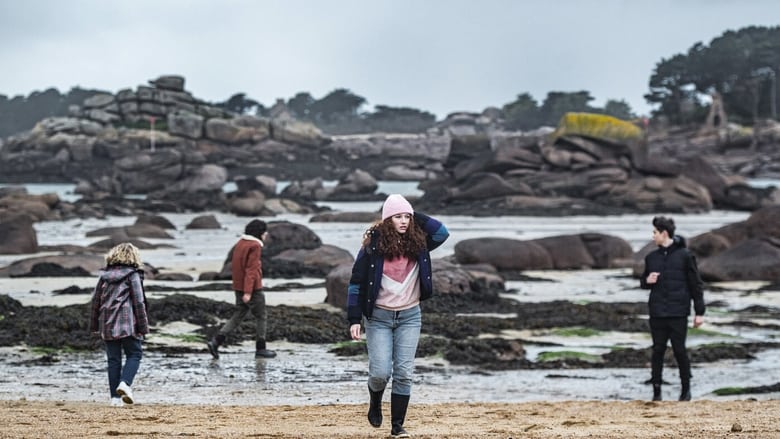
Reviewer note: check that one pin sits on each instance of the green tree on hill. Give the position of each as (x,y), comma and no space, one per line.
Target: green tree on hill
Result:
(338,105)
(399,119)
(619,109)
(239,103)
(524,113)
(339,112)
(739,65)
(21,113)
(300,105)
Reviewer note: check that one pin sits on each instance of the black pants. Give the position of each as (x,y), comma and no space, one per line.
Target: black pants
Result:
(256,305)
(664,329)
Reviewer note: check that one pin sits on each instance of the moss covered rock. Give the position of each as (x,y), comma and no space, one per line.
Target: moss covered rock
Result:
(598,126)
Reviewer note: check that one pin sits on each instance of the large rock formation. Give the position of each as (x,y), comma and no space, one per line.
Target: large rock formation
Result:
(592,163)
(564,252)
(17,235)
(149,139)
(161,141)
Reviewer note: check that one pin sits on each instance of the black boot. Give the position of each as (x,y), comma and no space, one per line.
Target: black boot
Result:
(261,351)
(214,344)
(375,409)
(657,392)
(685,393)
(398,405)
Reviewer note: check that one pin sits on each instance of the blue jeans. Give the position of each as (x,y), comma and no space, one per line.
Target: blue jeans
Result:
(391,338)
(116,373)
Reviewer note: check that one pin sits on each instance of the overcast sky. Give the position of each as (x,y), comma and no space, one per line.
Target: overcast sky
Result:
(435,55)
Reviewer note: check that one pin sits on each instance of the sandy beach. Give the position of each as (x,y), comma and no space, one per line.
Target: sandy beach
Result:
(634,419)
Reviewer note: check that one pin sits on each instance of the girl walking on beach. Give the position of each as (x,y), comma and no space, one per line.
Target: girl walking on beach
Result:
(391,275)
(119,316)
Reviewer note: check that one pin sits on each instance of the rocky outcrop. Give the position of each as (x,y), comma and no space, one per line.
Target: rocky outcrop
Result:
(600,164)
(504,254)
(204,222)
(410,157)
(82,264)
(17,235)
(263,183)
(732,150)
(161,141)
(746,250)
(752,259)
(311,262)
(355,183)
(297,133)
(563,252)
(16,201)
(346,217)
(157,220)
(137,230)
(150,138)
(336,283)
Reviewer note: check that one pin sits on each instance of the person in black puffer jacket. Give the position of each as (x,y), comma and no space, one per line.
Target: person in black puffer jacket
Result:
(673,279)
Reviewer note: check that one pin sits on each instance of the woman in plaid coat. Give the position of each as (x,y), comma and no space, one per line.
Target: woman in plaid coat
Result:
(119,316)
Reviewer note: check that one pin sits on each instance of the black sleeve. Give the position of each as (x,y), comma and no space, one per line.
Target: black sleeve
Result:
(643,278)
(695,285)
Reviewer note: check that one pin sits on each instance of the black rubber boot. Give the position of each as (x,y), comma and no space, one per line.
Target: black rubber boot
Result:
(685,393)
(375,409)
(657,392)
(261,351)
(214,345)
(398,405)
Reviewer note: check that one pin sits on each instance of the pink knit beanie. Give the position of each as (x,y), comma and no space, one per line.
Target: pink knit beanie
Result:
(395,204)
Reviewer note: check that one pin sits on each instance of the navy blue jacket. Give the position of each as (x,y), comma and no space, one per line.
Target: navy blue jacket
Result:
(678,282)
(366,279)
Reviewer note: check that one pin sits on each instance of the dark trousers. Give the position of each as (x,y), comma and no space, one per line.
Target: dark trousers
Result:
(256,305)
(664,329)
(133,351)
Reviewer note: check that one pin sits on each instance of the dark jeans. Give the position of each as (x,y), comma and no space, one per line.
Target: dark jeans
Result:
(256,305)
(116,373)
(663,330)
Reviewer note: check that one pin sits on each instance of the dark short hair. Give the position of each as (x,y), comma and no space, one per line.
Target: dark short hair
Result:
(662,223)
(256,228)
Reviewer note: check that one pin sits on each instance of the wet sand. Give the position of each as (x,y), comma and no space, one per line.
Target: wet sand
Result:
(634,419)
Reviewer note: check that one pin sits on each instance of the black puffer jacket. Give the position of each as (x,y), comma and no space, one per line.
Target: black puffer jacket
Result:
(678,282)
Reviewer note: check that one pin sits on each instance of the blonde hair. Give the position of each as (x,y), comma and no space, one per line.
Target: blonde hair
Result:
(124,254)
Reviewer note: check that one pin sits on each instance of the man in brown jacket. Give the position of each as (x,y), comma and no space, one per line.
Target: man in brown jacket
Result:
(247,271)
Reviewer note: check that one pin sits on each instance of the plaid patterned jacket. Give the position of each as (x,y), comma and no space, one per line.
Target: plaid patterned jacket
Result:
(119,304)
